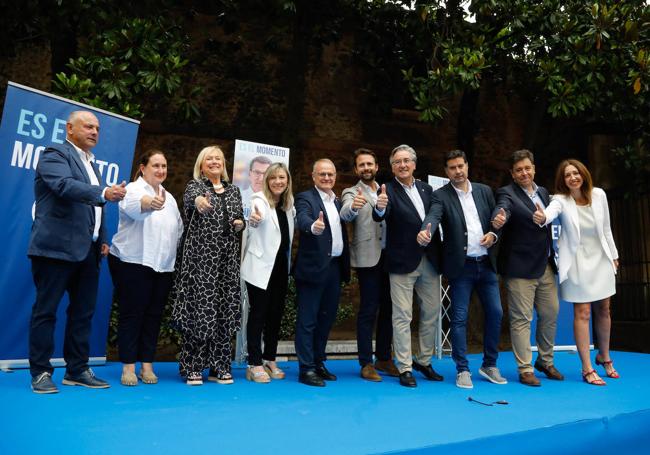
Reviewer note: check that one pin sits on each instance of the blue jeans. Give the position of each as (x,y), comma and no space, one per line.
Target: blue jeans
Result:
(480,276)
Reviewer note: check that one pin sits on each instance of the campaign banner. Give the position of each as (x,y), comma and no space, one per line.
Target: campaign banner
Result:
(32,120)
(250,162)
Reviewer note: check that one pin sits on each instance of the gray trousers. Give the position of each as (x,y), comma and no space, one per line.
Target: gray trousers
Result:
(426,283)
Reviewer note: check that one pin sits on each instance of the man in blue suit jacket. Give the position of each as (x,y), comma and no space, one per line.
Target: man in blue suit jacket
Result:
(526,262)
(322,262)
(464,210)
(65,247)
(412,268)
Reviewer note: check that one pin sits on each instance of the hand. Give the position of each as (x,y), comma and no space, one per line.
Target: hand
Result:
(158,202)
(359,200)
(202,203)
(319,225)
(616,264)
(115,193)
(424,237)
(104,249)
(499,219)
(238,225)
(382,198)
(488,240)
(538,215)
(255,218)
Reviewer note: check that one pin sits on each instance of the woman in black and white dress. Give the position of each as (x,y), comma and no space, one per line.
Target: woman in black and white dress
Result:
(206,292)
(265,269)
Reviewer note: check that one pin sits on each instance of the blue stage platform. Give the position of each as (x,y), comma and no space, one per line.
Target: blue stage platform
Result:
(349,416)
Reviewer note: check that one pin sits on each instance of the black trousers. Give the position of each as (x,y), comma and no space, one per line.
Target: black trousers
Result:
(265,315)
(53,278)
(374,305)
(317,306)
(141,294)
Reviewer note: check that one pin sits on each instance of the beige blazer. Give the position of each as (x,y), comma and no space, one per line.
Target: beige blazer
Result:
(565,208)
(263,243)
(365,245)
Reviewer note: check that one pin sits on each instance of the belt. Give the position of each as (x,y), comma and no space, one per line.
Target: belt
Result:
(477,258)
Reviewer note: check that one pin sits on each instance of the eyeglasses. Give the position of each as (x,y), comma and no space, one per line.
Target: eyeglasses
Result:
(257,173)
(328,175)
(405,161)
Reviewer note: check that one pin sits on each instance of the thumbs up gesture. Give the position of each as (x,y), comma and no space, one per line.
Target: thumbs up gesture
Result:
(319,225)
(424,237)
(255,217)
(158,201)
(359,200)
(499,219)
(538,215)
(115,193)
(382,198)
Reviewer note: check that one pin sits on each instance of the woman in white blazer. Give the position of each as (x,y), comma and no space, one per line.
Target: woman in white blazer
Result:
(265,268)
(587,259)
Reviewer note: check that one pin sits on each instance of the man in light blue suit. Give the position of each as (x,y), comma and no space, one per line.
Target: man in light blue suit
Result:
(65,247)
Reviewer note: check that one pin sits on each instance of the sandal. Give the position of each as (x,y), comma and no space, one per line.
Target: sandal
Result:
(275,373)
(128,379)
(220,378)
(259,376)
(612,373)
(598,381)
(194,378)
(148,377)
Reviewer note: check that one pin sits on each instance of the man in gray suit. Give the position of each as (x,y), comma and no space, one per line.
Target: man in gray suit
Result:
(367,256)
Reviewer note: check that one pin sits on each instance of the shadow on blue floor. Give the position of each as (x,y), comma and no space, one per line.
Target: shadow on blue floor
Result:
(349,416)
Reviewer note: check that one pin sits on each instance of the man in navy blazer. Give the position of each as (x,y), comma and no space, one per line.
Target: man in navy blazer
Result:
(464,210)
(526,261)
(322,263)
(412,268)
(65,248)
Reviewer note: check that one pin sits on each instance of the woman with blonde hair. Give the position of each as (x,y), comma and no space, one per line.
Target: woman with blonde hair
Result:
(587,260)
(206,292)
(265,269)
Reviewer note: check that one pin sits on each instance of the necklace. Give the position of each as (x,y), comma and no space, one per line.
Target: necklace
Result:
(217,186)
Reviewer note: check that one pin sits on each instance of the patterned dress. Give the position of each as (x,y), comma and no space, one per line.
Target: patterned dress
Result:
(206,292)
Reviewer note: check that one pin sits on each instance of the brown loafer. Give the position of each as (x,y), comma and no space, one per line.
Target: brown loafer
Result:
(528,378)
(369,373)
(387,366)
(550,371)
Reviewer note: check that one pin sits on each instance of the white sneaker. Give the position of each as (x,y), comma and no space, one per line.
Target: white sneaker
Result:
(492,374)
(464,380)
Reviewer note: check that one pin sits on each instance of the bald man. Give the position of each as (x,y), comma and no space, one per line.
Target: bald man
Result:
(65,248)
(321,264)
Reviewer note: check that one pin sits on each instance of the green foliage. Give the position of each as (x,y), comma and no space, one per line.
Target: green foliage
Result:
(132,68)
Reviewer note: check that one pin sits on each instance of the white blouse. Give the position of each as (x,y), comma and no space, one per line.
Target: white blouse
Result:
(148,238)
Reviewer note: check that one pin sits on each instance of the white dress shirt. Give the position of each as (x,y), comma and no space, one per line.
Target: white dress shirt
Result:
(147,238)
(414,195)
(334,221)
(473,222)
(86,159)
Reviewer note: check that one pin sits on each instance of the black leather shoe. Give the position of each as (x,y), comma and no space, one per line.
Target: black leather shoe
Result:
(407,380)
(42,383)
(427,371)
(86,379)
(311,378)
(325,373)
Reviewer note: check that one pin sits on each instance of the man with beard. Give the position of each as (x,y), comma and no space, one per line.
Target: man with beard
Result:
(367,256)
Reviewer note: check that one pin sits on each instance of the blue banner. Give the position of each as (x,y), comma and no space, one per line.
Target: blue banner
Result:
(31,121)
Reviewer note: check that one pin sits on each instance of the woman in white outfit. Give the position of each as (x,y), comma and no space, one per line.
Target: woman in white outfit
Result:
(265,269)
(587,259)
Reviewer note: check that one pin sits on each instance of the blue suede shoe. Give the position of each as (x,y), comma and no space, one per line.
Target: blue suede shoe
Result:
(86,379)
(42,383)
